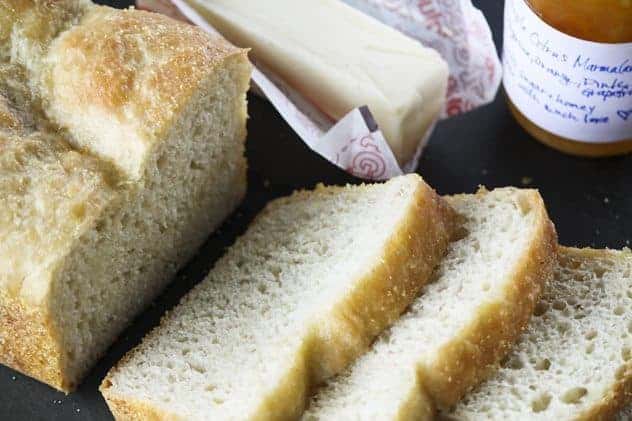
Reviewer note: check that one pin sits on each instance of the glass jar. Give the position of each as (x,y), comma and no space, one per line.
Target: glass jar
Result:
(568,73)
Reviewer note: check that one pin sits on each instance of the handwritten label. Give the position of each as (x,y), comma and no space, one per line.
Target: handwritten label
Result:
(573,88)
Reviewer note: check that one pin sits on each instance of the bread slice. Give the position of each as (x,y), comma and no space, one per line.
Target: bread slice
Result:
(464,321)
(574,360)
(121,147)
(316,277)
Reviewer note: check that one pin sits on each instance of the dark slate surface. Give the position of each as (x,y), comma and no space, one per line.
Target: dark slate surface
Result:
(589,200)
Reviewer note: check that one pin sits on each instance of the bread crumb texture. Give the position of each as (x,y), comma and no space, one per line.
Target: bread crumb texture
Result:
(574,359)
(464,321)
(121,147)
(315,278)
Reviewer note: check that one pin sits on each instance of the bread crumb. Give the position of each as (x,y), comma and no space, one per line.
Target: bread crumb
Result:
(484,171)
(526,180)
(14,378)
(606,200)
(266,183)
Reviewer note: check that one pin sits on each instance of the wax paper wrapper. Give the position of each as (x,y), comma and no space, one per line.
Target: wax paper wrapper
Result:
(455,28)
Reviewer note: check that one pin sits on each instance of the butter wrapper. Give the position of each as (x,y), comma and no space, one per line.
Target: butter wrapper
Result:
(454,28)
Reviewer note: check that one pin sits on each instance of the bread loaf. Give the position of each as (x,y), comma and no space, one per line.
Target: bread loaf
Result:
(121,148)
(465,320)
(296,299)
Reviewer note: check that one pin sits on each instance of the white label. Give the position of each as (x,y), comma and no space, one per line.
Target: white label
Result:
(573,88)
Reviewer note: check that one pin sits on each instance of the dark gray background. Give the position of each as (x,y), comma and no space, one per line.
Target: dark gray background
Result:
(589,200)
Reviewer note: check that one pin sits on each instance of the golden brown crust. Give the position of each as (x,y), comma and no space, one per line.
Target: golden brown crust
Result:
(125,409)
(405,266)
(289,399)
(417,405)
(37,20)
(115,80)
(378,299)
(569,253)
(133,65)
(28,345)
(615,400)
(472,356)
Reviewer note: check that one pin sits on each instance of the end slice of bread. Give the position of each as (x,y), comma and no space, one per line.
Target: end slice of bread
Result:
(316,277)
(464,322)
(574,360)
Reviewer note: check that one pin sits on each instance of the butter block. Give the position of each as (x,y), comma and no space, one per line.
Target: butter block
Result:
(339,59)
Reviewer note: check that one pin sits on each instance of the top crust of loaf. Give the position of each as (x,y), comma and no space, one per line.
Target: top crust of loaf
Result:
(115,79)
(131,68)
(90,98)
(135,65)
(37,20)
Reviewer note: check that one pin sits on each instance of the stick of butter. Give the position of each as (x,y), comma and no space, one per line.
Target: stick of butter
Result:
(340,59)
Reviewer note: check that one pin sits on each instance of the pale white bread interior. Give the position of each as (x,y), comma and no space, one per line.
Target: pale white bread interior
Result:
(89,237)
(573,361)
(340,59)
(315,278)
(49,192)
(465,319)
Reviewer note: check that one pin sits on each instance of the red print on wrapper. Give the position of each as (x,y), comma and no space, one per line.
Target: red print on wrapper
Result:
(459,32)
(367,160)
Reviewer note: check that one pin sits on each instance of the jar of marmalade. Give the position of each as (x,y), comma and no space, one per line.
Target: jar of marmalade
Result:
(568,73)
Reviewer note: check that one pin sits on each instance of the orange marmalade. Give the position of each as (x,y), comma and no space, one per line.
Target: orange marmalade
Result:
(568,73)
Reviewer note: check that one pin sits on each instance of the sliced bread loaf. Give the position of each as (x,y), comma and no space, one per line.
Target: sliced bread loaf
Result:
(465,320)
(315,278)
(121,148)
(574,360)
